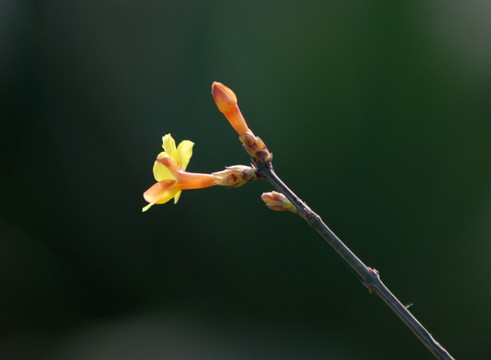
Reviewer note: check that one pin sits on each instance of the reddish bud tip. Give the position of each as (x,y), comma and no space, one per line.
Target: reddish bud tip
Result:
(224,97)
(227,103)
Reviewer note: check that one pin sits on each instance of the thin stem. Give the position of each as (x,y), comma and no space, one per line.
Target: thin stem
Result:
(369,276)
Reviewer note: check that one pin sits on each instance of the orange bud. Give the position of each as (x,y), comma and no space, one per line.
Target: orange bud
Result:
(226,102)
(224,97)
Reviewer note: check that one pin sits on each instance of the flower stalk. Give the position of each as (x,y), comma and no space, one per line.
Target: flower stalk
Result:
(171,175)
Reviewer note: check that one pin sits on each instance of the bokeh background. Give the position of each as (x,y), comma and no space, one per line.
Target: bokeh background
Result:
(379,116)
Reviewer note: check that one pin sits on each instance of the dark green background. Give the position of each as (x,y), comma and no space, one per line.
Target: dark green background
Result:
(378,114)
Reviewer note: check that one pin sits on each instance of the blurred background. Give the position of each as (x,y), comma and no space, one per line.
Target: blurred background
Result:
(379,116)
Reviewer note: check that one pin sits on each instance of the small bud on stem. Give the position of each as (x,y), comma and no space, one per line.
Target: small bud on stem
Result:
(278,202)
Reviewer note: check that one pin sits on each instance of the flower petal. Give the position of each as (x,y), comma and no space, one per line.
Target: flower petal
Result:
(160,171)
(169,146)
(145,208)
(184,153)
(177,196)
(170,164)
(161,192)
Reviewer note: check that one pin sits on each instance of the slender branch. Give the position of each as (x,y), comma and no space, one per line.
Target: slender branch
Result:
(226,102)
(369,276)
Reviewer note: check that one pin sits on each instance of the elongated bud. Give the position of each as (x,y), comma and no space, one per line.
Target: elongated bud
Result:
(224,97)
(235,176)
(227,103)
(278,202)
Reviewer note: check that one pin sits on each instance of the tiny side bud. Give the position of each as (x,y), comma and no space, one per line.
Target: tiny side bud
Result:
(278,202)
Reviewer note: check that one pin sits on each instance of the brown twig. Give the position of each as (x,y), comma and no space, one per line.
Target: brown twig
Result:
(370,277)
(226,102)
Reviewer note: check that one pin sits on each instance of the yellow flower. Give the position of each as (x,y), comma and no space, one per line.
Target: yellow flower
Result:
(168,170)
(181,155)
